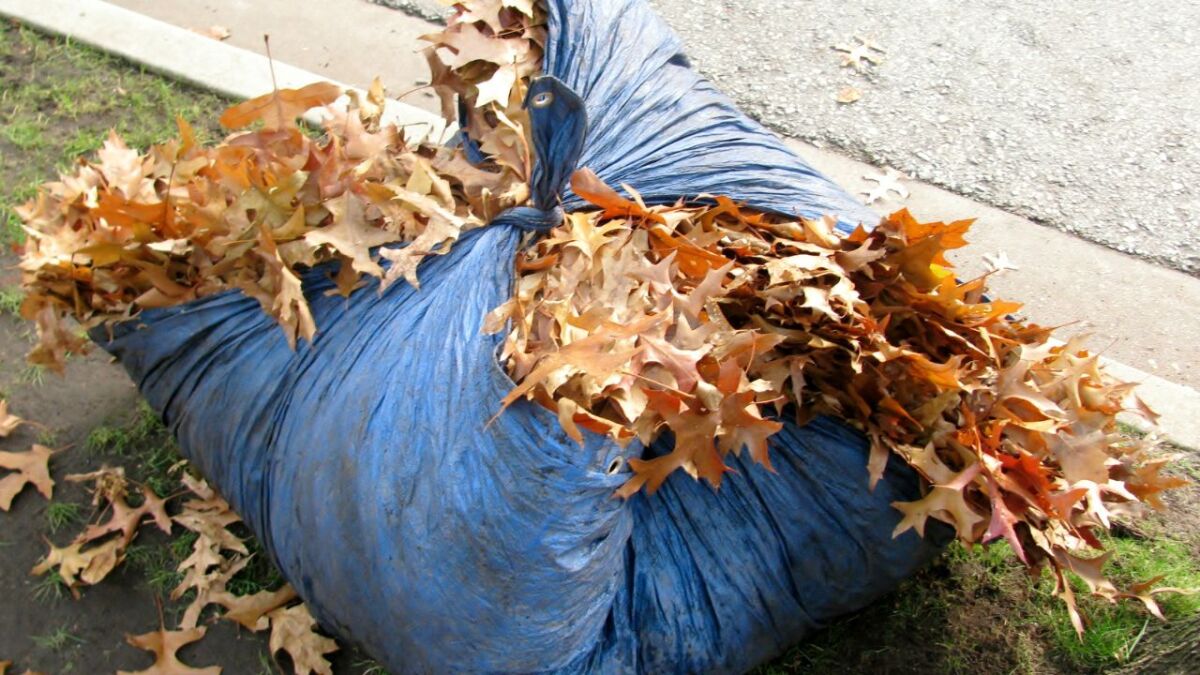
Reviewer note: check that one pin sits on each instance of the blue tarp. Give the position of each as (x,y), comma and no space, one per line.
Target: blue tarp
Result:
(365,463)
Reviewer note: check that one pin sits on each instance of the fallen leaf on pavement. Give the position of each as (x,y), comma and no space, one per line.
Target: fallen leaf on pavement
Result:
(859,56)
(31,468)
(251,610)
(77,565)
(998,262)
(164,644)
(8,421)
(293,630)
(848,95)
(889,181)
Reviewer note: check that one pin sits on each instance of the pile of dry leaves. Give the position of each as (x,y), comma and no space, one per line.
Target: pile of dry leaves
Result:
(709,321)
(130,231)
(712,321)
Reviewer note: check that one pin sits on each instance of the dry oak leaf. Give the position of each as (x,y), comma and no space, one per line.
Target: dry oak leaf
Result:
(280,108)
(8,421)
(75,565)
(251,610)
(889,181)
(292,631)
(163,644)
(127,519)
(32,467)
(858,56)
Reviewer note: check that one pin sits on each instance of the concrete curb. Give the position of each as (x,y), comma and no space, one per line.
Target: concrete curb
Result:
(183,55)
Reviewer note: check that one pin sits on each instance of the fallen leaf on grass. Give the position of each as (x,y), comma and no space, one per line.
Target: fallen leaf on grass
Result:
(164,644)
(848,95)
(8,421)
(292,630)
(32,468)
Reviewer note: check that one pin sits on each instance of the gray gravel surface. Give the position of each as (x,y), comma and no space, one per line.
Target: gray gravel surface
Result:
(1083,115)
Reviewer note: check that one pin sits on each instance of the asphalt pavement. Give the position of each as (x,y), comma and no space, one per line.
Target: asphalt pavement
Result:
(1079,115)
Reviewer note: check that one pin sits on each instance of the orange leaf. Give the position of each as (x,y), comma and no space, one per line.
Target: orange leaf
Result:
(280,108)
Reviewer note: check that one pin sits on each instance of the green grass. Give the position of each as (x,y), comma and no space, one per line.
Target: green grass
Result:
(34,375)
(58,640)
(49,588)
(1114,629)
(158,563)
(61,514)
(144,442)
(58,100)
(47,437)
(10,300)
(977,611)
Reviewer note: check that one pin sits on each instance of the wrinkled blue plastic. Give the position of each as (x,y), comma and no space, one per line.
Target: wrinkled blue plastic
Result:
(443,540)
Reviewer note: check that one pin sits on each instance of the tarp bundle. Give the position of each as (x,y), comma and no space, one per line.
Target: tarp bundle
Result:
(414,524)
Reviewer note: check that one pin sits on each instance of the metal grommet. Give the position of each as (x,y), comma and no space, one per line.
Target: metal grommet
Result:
(543,99)
(615,465)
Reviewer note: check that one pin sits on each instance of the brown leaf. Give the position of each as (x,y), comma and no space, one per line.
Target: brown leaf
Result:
(294,631)
(351,235)
(76,565)
(280,108)
(127,519)
(164,644)
(8,421)
(251,610)
(945,503)
(31,468)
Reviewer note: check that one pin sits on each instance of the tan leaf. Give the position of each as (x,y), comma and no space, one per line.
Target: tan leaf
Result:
(294,631)
(76,565)
(127,519)
(8,421)
(944,503)
(251,610)
(31,468)
(351,235)
(164,644)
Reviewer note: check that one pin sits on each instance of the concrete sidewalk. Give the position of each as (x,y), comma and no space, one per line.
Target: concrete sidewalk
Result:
(1139,314)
